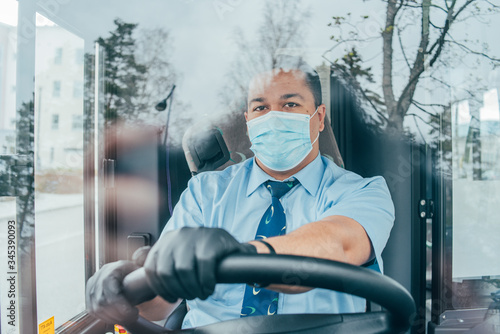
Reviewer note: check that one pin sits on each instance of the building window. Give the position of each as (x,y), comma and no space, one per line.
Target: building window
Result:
(55,122)
(79,56)
(56,92)
(78,89)
(77,123)
(58,56)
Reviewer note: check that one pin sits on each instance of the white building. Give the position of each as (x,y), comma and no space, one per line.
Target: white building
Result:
(58,96)
(8,41)
(58,99)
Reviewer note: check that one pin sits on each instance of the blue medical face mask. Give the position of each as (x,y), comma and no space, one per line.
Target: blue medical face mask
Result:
(281,140)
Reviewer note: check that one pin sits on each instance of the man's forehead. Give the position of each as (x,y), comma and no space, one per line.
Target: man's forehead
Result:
(275,78)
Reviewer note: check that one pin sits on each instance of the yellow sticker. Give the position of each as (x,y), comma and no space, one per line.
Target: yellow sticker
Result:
(46,327)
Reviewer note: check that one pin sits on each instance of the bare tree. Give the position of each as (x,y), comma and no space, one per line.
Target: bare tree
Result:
(283,28)
(436,20)
(154,50)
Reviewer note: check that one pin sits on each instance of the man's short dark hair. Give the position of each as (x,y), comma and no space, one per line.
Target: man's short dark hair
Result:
(289,63)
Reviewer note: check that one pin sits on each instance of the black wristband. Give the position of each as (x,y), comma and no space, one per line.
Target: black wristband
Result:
(271,248)
(271,251)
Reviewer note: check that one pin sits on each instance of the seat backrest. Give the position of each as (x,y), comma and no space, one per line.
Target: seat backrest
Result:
(205,151)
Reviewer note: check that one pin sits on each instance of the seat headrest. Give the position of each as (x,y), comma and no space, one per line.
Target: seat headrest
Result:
(217,144)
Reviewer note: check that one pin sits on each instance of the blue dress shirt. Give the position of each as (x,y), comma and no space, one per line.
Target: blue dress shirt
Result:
(235,199)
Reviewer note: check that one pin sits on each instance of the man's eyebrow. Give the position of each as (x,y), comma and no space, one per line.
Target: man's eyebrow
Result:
(257,99)
(289,96)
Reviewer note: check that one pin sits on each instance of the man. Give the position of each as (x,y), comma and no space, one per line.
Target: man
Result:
(328,213)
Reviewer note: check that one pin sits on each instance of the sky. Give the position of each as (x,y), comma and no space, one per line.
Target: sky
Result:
(8,12)
(203,35)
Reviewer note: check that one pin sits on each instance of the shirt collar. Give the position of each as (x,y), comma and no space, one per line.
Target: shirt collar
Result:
(309,176)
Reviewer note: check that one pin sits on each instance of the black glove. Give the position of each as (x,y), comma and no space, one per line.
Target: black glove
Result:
(140,255)
(183,262)
(104,296)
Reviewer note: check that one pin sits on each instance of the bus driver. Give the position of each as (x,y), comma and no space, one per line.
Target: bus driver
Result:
(288,199)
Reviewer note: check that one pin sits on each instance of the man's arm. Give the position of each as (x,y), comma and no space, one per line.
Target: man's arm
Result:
(337,238)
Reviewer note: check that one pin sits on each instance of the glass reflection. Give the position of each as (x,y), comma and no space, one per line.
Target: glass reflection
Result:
(476,193)
(8,50)
(59,172)
(209,50)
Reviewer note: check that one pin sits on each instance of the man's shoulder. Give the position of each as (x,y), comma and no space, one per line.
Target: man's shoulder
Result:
(346,178)
(334,173)
(233,172)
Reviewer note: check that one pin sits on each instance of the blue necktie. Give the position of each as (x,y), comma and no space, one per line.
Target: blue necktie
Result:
(260,301)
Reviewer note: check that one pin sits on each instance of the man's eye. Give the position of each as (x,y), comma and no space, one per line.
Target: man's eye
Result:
(291,105)
(259,108)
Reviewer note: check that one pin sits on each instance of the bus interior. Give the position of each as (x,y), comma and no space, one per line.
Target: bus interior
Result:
(108,108)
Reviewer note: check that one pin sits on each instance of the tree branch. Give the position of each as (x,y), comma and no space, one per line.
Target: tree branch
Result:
(444,83)
(435,26)
(472,51)
(492,4)
(403,49)
(439,7)
(345,41)
(387,36)
(426,122)
(430,104)
(406,96)
(449,21)
(418,127)
(461,9)
(416,104)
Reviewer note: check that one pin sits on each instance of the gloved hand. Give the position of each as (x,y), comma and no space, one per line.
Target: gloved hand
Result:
(182,263)
(104,296)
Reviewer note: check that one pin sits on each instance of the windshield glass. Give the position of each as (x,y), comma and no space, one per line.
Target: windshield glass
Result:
(94,93)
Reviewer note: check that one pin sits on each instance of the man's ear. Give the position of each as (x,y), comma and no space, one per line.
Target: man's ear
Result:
(321,115)
(246,116)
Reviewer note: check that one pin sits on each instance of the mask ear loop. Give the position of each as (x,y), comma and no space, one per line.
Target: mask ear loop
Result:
(317,137)
(310,117)
(315,140)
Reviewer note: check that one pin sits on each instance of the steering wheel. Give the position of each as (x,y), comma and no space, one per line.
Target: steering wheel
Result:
(311,272)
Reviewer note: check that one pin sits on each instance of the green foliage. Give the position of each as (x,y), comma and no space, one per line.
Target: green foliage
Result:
(351,62)
(123,75)
(350,68)
(22,178)
(25,128)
